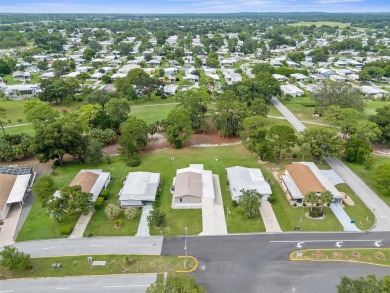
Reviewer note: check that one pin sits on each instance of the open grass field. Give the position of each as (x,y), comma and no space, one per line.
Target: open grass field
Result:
(363,216)
(321,23)
(115,264)
(369,256)
(152,113)
(368,175)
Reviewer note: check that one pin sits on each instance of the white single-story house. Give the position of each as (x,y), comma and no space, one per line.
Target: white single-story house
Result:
(91,180)
(70,75)
(325,72)
(139,188)
(338,78)
(241,178)
(317,77)
(47,75)
(22,89)
(291,90)
(374,92)
(293,64)
(299,77)
(97,76)
(191,185)
(227,62)
(14,186)
(276,63)
(343,72)
(191,78)
(307,64)
(170,89)
(280,77)
(170,71)
(21,75)
(302,177)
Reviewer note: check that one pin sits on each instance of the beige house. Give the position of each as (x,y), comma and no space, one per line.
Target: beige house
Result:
(191,185)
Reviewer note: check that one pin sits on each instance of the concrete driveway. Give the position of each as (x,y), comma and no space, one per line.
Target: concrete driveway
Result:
(267,214)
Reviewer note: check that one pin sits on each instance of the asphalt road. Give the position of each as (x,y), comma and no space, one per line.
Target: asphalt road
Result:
(92,245)
(288,115)
(115,283)
(260,263)
(367,195)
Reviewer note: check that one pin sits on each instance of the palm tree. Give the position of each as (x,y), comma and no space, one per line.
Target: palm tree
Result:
(312,198)
(112,211)
(326,197)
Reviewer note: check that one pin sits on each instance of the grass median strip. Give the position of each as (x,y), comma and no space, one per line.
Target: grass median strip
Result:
(115,264)
(374,256)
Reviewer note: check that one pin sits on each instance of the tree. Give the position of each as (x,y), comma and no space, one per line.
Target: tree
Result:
(266,85)
(60,67)
(134,75)
(3,116)
(320,54)
(338,94)
(15,147)
(130,213)
(112,211)
(44,188)
(178,127)
(348,120)
(230,113)
(82,77)
(296,56)
(56,89)
(321,142)
(118,109)
(369,284)
(134,137)
(382,119)
(195,101)
(93,151)
(312,198)
(39,113)
(14,260)
(71,201)
(175,283)
(332,114)
(368,131)
(356,149)
(249,203)
(382,178)
(326,198)
(282,137)
(125,89)
(88,54)
(156,218)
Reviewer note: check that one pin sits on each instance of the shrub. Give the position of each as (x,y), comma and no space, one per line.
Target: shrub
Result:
(66,230)
(234,203)
(295,204)
(304,204)
(156,218)
(294,155)
(105,193)
(316,212)
(129,260)
(130,213)
(134,160)
(112,211)
(118,223)
(15,260)
(272,199)
(98,205)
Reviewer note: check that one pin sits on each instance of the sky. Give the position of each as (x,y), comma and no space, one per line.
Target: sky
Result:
(192,6)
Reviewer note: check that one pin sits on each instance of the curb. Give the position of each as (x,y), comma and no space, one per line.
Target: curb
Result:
(191,270)
(335,260)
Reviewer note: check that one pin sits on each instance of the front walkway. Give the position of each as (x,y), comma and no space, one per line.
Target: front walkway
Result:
(213,215)
(143,226)
(343,218)
(267,214)
(81,225)
(8,229)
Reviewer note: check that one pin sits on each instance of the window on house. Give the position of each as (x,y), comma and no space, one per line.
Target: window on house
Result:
(181,200)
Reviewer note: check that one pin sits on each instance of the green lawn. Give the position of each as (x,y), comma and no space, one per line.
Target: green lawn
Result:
(79,266)
(151,113)
(299,107)
(8,79)
(368,175)
(363,216)
(21,129)
(39,226)
(370,255)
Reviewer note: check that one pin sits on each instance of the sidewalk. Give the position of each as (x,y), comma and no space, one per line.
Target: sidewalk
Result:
(343,218)
(143,227)
(267,214)
(78,230)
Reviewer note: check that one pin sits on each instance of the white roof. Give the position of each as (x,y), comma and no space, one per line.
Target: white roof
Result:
(99,184)
(291,89)
(292,187)
(19,189)
(247,179)
(368,89)
(140,186)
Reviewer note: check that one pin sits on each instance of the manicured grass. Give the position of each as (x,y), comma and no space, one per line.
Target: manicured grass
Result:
(8,79)
(14,110)
(298,107)
(321,23)
(79,266)
(289,217)
(151,113)
(39,226)
(370,255)
(368,175)
(21,129)
(364,218)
